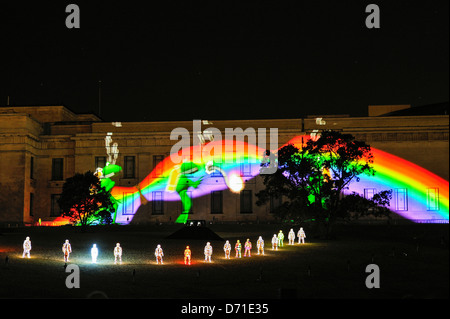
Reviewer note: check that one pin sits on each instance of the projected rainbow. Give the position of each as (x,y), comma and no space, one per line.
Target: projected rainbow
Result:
(418,194)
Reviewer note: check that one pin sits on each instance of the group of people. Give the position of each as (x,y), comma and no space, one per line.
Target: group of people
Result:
(277,241)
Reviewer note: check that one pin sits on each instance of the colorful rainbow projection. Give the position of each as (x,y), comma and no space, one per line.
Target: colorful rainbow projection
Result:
(418,194)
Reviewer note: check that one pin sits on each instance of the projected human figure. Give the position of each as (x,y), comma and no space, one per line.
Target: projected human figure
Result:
(280,238)
(67,250)
(291,237)
(238,248)
(159,254)
(94,253)
(26,247)
(301,236)
(248,248)
(274,242)
(260,245)
(117,253)
(227,249)
(187,256)
(208,252)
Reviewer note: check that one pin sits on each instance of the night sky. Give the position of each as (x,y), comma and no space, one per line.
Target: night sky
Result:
(211,60)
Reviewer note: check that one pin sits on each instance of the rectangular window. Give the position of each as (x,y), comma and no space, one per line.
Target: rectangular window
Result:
(55,210)
(275,202)
(32,167)
(158,169)
(216,202)
(129,167)
(433,198)
(369,192)
(128,204)
(217,173)
(100,161)
(57,169)
(401,199)
(31,204)
(157,203)
(246,202)
(246,169)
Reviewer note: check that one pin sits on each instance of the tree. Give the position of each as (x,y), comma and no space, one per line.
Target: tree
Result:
(85,201)
(312,179)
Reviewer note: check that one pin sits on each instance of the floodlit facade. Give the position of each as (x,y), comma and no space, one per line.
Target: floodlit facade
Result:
(41,146)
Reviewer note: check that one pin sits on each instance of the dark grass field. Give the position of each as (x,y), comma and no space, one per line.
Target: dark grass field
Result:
(413,262)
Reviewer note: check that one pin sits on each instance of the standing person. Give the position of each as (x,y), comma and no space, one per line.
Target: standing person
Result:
(280,238)
(159,255)
(274,242)
(301,235)
(67,249)
(238,248)
(260,245)
(26,247)
(291,237)
(117,253)
(248,248)
(94,253)
(187,256)
(208,252)
(227,249)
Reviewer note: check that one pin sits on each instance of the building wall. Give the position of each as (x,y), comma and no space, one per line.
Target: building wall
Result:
(46,133)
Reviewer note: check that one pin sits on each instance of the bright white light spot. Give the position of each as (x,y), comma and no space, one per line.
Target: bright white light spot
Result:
(236,183)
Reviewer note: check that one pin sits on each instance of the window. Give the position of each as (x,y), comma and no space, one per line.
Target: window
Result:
(216,202)
(158,170)
(401,199)
(157,203)
(433,198)
(32,167)
(217,173)
(369,192)
(246,169)
(57,169)
(275,202)
(129,169)
(55,210)
(31,204)
(128,204)
(100,161)
(246,202)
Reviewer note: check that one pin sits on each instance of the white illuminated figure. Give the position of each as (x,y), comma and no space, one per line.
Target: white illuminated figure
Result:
(159,255)
(248,248)
(260,245)
(274,242)
(208,252)
(280,238)
(227,249)
(26,247)
(291,237)
(94,253)
(301,236)
(67,249)
(117,253)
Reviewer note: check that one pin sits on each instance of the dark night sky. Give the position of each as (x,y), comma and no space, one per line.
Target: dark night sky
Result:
(224,60)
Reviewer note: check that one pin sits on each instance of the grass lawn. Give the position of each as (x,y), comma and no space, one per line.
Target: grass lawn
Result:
(413,262)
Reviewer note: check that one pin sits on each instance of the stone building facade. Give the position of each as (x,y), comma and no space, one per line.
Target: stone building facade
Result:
(41,146)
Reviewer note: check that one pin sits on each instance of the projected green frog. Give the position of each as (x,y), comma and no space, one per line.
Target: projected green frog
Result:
(105,174)
(180,181)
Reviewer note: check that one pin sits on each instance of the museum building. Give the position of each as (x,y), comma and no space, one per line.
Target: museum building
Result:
(41,146)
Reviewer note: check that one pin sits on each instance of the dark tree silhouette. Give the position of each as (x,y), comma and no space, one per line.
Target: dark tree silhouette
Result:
(84,201)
